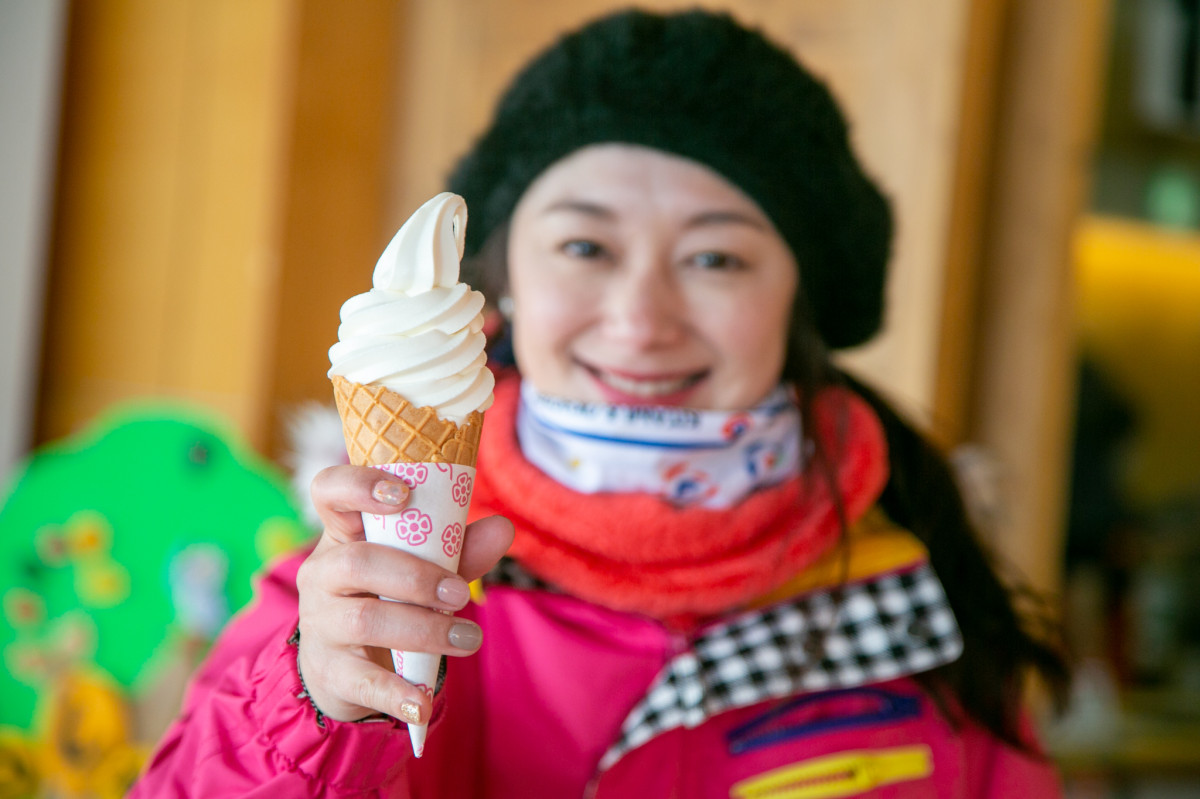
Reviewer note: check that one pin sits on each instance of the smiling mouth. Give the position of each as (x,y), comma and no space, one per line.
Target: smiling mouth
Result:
(656,388)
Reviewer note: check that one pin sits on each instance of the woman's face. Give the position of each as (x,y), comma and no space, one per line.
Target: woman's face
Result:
(639,277)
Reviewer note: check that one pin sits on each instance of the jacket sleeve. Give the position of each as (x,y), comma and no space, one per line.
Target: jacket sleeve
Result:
(247,729)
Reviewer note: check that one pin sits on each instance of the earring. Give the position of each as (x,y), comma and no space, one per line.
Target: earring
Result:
(505,306)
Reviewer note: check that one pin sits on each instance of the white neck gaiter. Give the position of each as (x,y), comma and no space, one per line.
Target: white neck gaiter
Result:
(707,459)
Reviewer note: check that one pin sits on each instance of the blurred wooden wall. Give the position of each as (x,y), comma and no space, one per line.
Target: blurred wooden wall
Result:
(222,182)
(230,171)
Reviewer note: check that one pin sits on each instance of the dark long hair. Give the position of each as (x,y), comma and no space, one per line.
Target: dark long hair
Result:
(1007,630)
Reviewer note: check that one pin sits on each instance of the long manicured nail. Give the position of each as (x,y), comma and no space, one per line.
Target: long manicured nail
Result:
(410,712)
(390,492)
(454,591)
(466,635)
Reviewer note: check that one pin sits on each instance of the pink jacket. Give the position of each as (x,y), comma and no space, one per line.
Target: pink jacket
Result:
(496,732)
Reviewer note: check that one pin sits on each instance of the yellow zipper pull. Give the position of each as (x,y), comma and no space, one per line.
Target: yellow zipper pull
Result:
(842,774)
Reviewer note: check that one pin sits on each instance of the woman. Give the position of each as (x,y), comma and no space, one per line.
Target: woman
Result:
(734,571)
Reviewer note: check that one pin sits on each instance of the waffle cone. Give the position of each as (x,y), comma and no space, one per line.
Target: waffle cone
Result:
(381,426)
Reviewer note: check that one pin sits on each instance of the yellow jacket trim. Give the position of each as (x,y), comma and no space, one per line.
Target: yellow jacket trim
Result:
(873,545)
(842,774)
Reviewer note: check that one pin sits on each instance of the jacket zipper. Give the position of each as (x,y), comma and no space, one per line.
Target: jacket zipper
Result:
(843,774)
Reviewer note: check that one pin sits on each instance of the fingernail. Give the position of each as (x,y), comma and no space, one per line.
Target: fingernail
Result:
(390,492)
(410,712)
(465,635)
(454,591)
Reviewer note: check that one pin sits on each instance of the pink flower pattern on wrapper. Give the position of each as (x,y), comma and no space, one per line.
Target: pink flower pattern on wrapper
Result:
(452,538)
(460,492)
(413,527)
(414,474)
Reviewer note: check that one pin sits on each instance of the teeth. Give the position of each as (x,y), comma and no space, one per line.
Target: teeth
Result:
(645,388)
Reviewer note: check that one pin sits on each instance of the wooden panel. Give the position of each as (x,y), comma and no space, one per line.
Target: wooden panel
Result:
(896,65)
(101,272)
(967,214)
(223,263)
(224,167)
(337,171)
(1025,356)
(161,256)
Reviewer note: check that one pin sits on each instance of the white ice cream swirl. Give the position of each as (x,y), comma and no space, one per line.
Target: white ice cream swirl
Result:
(419,331)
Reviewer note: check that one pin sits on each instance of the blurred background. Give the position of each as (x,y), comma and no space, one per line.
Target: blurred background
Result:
(190,189)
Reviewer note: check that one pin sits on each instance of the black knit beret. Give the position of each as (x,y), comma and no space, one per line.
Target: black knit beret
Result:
(699,85)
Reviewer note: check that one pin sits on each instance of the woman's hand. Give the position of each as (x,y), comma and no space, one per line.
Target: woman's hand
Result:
(346,630)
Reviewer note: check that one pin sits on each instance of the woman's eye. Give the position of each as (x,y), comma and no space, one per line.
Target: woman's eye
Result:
(582,248)
(716,260)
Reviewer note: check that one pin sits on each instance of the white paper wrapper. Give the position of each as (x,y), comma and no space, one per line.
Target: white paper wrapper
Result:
(430,527)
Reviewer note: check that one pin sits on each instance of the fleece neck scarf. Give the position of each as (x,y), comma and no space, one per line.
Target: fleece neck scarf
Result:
(711,459)
(637,552)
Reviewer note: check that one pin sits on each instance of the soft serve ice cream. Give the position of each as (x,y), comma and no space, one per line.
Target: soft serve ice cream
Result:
(419,331)
(411,382)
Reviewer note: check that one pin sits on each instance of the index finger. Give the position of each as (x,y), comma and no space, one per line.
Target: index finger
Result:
(341,494)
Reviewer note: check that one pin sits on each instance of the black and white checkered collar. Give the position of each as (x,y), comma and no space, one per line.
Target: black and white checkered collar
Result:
(879,628)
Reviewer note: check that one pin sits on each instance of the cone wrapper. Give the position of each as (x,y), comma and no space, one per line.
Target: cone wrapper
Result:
(432,528)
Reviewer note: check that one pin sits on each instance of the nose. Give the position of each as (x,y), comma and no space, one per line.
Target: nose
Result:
(643,306)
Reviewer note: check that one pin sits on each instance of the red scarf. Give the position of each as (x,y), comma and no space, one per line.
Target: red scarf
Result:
(638,553)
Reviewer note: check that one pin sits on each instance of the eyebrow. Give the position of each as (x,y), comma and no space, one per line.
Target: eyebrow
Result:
(699,220)
(725,218)
(582,207)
